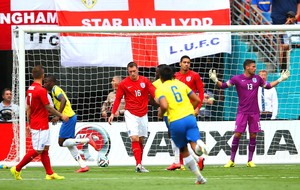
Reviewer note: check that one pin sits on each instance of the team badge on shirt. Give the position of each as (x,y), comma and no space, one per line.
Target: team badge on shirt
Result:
(254,80)
(142,85)
(188,78)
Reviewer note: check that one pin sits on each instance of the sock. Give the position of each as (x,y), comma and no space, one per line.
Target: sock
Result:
(136,149)
(46,162)
(73,142)
(74,152)
(192,153)
(29,156)
(192,165)
(180,159)
(251,148)
(86,152)
(142,150)
(234,147)
(176,152)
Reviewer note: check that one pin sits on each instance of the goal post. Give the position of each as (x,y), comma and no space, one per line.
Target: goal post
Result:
(87,85)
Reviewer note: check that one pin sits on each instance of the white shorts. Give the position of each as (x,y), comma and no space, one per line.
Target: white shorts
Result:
(136,125)
(40,139)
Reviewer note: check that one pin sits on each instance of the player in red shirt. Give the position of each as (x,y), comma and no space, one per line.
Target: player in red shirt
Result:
(37,109)
(192,80)
(135,90)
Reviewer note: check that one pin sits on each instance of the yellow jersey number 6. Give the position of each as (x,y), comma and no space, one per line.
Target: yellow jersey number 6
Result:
(176,94)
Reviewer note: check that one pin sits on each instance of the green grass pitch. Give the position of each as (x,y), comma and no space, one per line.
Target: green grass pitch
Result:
(269,177)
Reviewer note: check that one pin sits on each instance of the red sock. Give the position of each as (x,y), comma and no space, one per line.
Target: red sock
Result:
(29,156)
(142,150)
(136,149)
(46,162)
(181,159)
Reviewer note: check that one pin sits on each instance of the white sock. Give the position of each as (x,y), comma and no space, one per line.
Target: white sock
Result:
(74,152)
(176,152)
(200,147)
(192,165)
(191,151)
(74,142)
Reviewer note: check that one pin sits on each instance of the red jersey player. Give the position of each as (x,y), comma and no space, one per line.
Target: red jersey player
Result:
(192,80)
(135,89)
(37,116)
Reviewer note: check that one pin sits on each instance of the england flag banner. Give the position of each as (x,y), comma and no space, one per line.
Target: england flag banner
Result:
(15,13)
(118,50)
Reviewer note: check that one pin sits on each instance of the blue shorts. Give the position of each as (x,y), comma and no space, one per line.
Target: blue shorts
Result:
(67,129)
(184,130)
(251,119)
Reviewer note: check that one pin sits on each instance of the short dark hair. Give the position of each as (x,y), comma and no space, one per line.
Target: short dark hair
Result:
(131,64)
(161,65)
(157,70)
(166,73)
(183,57)
(248,62)
(51,78)
(4,90)
(37,72)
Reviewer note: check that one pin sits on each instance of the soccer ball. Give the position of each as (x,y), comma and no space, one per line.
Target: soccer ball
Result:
(102,161)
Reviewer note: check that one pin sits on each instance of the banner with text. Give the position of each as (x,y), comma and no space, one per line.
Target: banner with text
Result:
(15,13)
(278,143)
(92,50)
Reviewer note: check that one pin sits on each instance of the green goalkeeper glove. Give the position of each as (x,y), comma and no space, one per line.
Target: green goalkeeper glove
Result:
(284,76)
(213,76)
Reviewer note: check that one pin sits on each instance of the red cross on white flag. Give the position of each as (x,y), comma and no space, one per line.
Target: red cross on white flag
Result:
(103,51)
(146,51)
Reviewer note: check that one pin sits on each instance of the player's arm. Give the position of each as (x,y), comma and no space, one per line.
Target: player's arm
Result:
(195,100)
(200,89)
(63,103)
(163,105)
(220,84)
(283,76)
(151,88)
(57,113)
(152,99)
(213,77)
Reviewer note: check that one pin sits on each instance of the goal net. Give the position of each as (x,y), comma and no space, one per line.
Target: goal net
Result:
(84,61)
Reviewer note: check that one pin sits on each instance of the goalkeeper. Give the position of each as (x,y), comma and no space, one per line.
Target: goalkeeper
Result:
(247,85)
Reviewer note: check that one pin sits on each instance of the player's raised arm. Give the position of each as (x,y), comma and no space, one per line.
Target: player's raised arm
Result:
(283,76)
(213,77)
(220,84)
